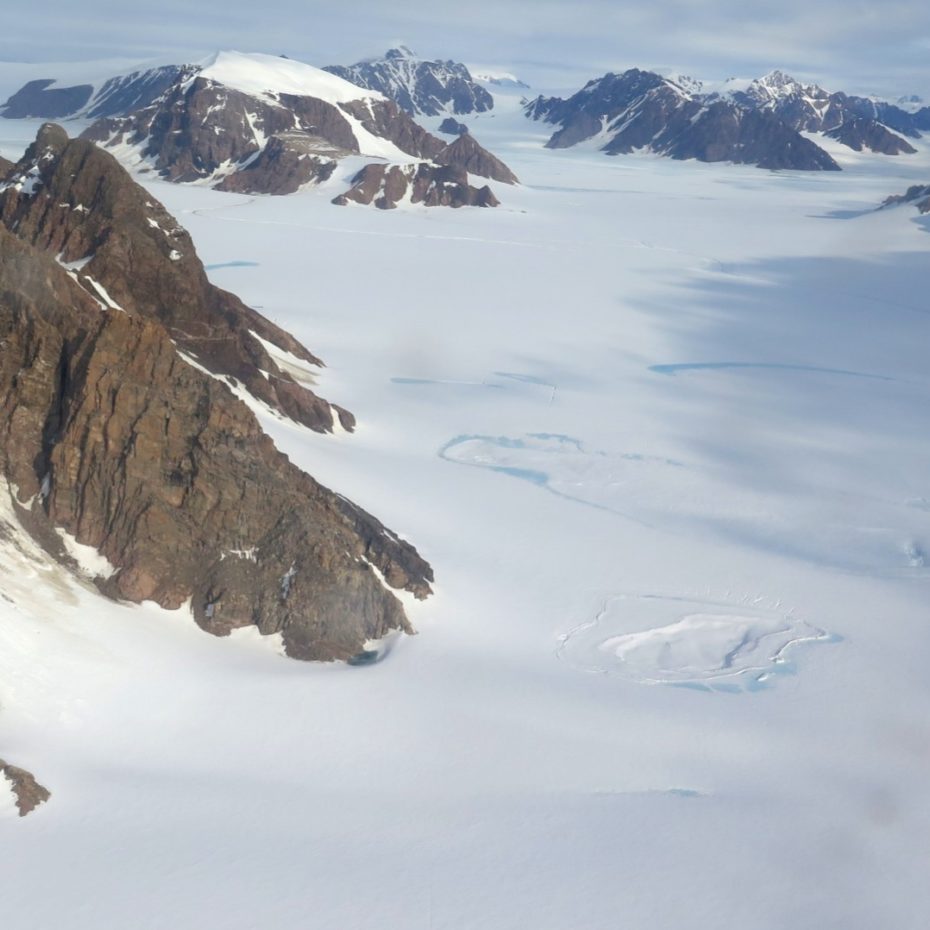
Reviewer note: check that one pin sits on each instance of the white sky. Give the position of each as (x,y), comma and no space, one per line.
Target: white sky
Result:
(846,44)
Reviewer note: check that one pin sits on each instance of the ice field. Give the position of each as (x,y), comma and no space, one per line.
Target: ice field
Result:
(661,428)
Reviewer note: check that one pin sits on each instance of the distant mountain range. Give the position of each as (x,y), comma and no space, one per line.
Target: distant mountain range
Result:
(758,122)
(420,87)
(257,124)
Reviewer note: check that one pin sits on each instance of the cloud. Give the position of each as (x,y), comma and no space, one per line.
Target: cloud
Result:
(835,41)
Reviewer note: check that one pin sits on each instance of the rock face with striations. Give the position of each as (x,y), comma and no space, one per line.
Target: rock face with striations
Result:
(422,88)
(861,134)
(467,154)
(641,110)
(109,433)
(72,199)
(28,793)
(810,108)
(386,186)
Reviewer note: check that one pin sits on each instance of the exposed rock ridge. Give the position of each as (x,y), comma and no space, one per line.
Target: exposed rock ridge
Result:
(110,434)
(810,108)
(74,201)
(117,96)
(386,186)
(859,134)
(639,110)
(465,153)
(426,88)
(200,130)
(918,195)
(29,794)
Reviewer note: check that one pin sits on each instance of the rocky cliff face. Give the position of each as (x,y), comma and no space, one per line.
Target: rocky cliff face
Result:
(110,433)
(425,88)
(5,167)
(201,130)
(641,110)
(385,186)
(29,794)
(466,154)
(861,134)
(74,201)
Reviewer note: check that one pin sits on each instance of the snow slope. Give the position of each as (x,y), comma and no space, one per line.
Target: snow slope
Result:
(674,410)
(258,74)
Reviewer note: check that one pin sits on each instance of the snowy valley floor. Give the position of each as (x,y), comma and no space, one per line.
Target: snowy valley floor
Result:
(640,396)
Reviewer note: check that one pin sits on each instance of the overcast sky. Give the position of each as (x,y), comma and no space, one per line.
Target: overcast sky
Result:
(879,46)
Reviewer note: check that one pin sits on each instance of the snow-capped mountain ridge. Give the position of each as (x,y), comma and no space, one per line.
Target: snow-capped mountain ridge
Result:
(255,123)
(421,87)
(641,110)
(684,117)
(259,74)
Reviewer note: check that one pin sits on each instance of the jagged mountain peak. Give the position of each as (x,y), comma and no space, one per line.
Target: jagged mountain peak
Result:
(778,84)
(419,86)
(74,200)
(641,110)
(399,52)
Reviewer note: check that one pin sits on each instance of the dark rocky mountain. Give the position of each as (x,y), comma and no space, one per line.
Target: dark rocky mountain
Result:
(39,100)
(452,127)
(73,200)
(5,167)
(29,794)
(859,133)
(422,88)
(116,96)
(810,108)
(918,195)
(111,433)
(218,125)
(385,186)
(641,110)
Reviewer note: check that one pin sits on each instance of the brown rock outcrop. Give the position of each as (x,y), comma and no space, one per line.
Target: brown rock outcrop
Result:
(28,792)
(467,154)
(73,200)
(283,166)
(5,167)
(444,186)
(110,434)
(199,129)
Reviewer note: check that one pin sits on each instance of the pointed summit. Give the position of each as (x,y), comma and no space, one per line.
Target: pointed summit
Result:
(422,88)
